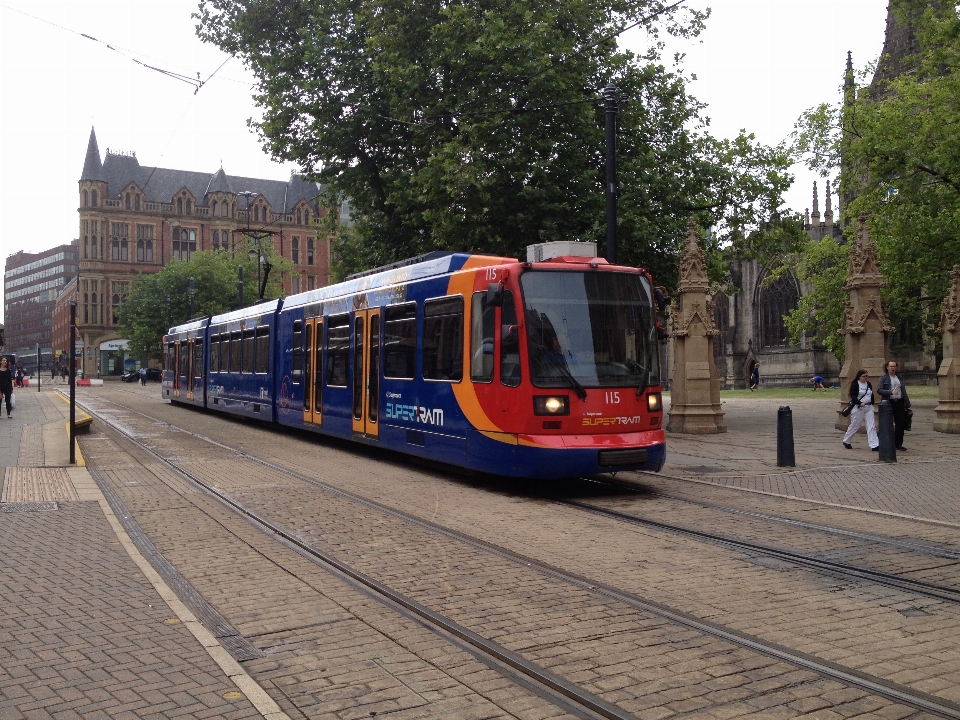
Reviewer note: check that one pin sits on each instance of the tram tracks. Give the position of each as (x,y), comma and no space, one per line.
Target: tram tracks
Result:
(512,664)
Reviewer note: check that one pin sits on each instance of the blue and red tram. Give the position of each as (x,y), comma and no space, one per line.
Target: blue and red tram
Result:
(529,369)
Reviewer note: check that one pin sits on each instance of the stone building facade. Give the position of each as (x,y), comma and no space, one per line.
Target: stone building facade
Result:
(136,219)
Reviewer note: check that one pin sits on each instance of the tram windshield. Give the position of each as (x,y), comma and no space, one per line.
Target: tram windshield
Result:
(590,329)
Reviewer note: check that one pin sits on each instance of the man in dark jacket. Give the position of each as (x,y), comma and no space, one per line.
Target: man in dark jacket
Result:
(891,387)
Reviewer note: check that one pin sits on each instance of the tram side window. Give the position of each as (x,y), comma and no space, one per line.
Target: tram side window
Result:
(509,343)
(400,341)
(198,358)
(297,373)
(263,349)
(223,364)
(214,353)
(235,352)
(482,326)
(443,339)
(338,350)
(249,355)
(184,359)
(170,358)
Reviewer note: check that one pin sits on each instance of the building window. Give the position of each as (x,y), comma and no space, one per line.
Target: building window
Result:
(189,206)
(295,284)
(86,308)
(179,206)
(309,251)
(214,213)
(184,244)
(311,282)
(136,201)
(295,250)
(93,198)
(256,213)
(126,202)
(216,238)
(298,217)
(776,301)
(85,198)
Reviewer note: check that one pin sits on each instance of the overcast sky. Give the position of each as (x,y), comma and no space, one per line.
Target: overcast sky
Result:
(759,64)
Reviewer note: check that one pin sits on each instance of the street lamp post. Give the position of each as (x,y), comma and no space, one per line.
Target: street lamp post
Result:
(263,265)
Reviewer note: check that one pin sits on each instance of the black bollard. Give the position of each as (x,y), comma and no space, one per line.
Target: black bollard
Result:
(785,455)
(888,450)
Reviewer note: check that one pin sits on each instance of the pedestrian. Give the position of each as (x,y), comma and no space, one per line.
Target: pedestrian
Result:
(53,374)
(817,382)
(891,387)
(6,383)
(143,376)
(861,395)
(63,373)
(755,377)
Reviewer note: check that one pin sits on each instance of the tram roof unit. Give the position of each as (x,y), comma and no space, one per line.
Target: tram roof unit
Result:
(196,324)
(402,273)
(267,307)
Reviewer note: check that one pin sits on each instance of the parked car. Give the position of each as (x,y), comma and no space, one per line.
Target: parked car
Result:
(131,376)
(154,374)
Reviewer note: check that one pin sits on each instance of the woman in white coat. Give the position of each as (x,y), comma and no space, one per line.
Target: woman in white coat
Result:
(861,394)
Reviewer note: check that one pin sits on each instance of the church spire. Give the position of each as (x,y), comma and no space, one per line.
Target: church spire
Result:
(815,215)
(92,167)
(828,201)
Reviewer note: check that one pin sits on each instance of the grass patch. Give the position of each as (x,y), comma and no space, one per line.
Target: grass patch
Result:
(916,392)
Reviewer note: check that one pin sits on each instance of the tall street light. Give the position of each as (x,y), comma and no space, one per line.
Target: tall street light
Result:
(263,265)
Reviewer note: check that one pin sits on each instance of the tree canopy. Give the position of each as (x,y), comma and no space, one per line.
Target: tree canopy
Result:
(896,145)
(478,125)
(143,313)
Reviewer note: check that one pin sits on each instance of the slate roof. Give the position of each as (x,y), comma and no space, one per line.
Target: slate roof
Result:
(161,184)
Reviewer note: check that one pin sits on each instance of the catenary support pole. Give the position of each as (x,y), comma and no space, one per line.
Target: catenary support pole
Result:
(785,451)
(73,383)
(610,103)
(38,367)
(888,451)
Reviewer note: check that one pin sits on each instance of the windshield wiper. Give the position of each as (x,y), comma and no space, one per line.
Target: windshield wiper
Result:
(572,381)
(644,375)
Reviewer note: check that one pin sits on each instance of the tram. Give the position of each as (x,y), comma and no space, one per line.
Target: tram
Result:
(542,369)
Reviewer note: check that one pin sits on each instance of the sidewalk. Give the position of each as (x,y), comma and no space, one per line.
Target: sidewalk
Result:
(923,483)
(87,627)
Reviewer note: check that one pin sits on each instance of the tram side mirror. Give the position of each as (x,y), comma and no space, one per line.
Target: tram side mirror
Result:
(661,297)
(495,295)
(662,333)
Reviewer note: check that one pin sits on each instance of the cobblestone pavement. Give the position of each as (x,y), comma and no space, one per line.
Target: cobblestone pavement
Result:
(87,628)
(648,666)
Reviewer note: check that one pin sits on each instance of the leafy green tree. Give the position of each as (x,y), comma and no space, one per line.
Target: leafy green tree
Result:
(896,145)
(479,126)
(143,313)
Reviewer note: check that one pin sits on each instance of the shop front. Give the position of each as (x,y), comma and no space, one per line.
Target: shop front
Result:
(116,359)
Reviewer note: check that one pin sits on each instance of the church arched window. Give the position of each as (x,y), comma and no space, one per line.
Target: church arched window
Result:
(777,300)
(721,318)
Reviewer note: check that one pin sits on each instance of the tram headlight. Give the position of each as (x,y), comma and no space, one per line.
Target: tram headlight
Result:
(654,402)
(551,405)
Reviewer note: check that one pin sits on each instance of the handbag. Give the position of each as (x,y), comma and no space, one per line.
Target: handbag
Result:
(13,401)
(848,409)
(908,424)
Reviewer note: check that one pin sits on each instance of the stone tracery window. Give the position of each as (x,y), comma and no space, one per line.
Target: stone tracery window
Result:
(777,300)
(721,318)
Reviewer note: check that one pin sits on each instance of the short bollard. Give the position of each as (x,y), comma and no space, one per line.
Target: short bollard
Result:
(888,450)
(785,456)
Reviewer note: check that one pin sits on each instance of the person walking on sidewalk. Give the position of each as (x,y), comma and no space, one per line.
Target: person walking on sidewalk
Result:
(861,395)
(6,382)
(755,377)
(891,387)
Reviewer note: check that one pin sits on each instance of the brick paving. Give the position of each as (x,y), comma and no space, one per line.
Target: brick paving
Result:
(653,668)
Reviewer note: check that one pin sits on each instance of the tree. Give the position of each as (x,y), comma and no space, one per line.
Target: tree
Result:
(143,313)
(896,145)
(479,126)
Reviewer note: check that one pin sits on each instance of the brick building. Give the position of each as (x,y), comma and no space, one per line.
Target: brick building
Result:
(31,284)
(136,219)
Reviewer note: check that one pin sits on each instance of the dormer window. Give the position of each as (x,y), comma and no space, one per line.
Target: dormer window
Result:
(298,217)
(189,206)
(136,202)
(256,213)
(214,212)
(179,206)
(126,202)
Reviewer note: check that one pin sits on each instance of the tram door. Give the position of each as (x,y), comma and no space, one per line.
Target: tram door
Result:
(176,369)
(313,371)
(366,372)
(189,372)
